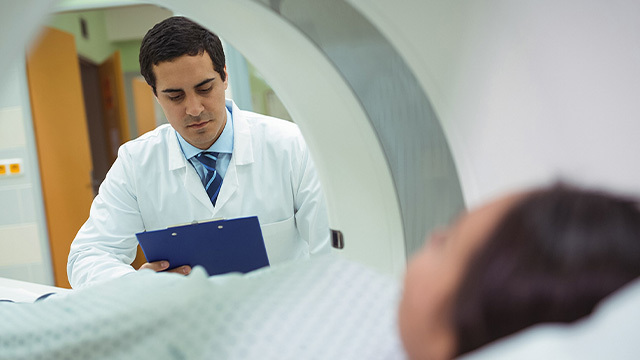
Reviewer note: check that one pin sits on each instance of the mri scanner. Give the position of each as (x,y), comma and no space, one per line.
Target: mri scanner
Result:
(414,110)
(417,109)
(374,135)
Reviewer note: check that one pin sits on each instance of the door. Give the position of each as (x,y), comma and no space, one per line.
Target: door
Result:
(143,99)
(114,108)
(100,159)
(62,142)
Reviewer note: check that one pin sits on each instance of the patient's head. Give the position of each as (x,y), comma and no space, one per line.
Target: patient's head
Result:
(544,256)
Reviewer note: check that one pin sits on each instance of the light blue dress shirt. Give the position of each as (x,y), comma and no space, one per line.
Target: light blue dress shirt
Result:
(224,146)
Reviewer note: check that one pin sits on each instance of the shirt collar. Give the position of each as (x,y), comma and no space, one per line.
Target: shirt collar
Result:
(224,144)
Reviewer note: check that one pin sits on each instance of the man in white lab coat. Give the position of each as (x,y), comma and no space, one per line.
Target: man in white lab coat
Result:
(158,181)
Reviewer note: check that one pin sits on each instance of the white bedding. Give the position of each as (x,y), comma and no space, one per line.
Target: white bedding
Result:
(325,308)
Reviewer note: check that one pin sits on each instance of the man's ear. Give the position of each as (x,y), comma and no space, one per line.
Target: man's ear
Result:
(155,93)
(226,77)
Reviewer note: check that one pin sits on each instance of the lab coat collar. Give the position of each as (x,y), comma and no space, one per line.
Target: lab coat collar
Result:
(177,161)
(242,155)
(176,156)
(242,148)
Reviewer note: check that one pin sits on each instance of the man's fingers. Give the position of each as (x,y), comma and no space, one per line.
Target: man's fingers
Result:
(185,270)
(156,266)
(164,265)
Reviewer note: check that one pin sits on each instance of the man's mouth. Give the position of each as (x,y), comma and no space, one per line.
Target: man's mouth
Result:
(198,125)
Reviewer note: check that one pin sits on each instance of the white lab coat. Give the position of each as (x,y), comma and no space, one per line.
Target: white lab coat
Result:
(152,186)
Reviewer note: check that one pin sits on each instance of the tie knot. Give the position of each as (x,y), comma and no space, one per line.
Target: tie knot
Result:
(208,159)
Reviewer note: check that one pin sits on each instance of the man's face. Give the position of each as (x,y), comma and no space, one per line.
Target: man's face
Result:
(191,94)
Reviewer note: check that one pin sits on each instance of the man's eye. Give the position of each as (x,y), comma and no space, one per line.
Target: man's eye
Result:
(206,90)
(175,98)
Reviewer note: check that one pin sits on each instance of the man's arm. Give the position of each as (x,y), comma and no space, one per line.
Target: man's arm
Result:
(106,244)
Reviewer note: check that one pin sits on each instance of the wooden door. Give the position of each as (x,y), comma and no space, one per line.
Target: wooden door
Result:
(62,141)
(92,94)
(143,99)
(114,108)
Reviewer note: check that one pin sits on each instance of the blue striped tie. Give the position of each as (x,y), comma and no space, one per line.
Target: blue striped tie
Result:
(212,181)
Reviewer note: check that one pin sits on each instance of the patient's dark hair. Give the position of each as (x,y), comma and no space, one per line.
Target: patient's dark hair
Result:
(552,258)
(174,37)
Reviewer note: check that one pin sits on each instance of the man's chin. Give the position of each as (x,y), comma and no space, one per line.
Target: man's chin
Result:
(201,139)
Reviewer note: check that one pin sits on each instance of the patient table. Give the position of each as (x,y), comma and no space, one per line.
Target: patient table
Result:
(325,308)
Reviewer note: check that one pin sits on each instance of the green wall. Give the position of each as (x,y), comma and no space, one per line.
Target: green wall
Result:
(97,47)
(129,51)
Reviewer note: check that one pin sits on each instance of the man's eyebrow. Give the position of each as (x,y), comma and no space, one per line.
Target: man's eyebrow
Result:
(204,82)
(171,90)
(197,85)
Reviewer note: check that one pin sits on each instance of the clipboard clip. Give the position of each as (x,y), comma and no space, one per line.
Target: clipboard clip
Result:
(194,222)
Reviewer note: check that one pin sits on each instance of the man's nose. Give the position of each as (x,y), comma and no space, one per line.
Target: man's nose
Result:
(194,106)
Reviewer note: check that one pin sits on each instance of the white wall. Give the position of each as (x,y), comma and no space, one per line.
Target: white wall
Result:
(527,90)
(132,22)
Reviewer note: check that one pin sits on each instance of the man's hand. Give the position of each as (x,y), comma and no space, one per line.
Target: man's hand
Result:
(163,265)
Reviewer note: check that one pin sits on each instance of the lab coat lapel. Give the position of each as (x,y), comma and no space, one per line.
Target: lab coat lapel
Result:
(229,186)
(242,155)
(180,166)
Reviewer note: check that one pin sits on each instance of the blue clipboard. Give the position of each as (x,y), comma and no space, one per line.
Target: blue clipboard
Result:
(222,246)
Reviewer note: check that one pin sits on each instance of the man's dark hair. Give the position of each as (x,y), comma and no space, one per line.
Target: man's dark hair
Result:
(174,37)
(552,258)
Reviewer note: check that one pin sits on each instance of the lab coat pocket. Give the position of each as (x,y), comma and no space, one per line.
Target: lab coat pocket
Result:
(283,242)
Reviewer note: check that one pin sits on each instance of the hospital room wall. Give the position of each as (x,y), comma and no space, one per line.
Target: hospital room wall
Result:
(24,244)
(24,247)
